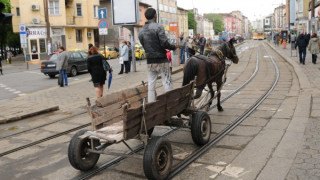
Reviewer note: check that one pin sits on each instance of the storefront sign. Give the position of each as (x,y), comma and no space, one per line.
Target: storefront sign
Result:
(36,33)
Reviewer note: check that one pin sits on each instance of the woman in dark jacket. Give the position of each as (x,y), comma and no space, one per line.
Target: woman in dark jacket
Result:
(95,68)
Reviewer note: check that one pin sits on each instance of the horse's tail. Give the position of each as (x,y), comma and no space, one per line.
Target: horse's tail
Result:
(190,71)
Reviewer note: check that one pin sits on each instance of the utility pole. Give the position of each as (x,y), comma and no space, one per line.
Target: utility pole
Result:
(46,15)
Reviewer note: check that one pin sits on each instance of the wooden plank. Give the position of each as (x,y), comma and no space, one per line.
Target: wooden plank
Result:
(120,95)
(107,117)
(107,110)
(114,120)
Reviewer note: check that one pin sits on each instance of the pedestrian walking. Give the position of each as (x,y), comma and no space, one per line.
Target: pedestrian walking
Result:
(130,55)
(308,37)
(95,68)
(302,45)
(314,47)
(62,65)
(1,65)
(187,47)
(207,48)
(202,43)
(155,42)
(292,38)
(124,57)
(9,56)
(182,47)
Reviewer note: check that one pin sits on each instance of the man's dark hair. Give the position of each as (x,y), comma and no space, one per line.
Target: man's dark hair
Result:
(150,13)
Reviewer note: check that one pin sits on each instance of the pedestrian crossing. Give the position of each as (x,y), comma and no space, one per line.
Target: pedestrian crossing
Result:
(11,90)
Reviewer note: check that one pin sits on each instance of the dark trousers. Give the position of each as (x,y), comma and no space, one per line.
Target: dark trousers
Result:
(129,64)
(314,58)
(201,50)
(124,66)
(0,66)
(302,54)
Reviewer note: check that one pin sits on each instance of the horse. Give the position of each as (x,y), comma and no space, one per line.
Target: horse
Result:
(209,69)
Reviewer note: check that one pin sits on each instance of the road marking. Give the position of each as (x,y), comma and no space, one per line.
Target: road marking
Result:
(12,90)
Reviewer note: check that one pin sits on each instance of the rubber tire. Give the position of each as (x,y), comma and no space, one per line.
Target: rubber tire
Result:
(109,57)
(52,76)
(157,145)
(75,155)
(73,71)
(198,136)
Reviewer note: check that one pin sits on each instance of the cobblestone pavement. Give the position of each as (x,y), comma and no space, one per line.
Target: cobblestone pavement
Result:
(306,164)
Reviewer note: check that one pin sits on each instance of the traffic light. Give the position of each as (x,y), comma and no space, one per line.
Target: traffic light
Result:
(4,17)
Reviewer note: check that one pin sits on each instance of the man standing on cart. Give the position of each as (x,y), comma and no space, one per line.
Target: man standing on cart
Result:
(155,42)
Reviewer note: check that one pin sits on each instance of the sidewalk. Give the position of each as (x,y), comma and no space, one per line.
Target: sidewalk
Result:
(298,154)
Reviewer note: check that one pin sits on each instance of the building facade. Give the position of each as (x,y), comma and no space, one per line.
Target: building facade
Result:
(167,13)
(73,24)
(183,21)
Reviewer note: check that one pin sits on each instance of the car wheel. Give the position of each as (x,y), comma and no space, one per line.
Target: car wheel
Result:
(109,57)
(73,71)
(52,75)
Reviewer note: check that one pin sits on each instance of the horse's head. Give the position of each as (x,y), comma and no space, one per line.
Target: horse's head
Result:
(231,51)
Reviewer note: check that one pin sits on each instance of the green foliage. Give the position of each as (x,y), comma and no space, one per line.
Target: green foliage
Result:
(217,21)
(7,6)
(192,24)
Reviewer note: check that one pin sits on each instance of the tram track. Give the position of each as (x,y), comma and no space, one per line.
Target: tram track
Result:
(202,150)
(217,138)
(57,134)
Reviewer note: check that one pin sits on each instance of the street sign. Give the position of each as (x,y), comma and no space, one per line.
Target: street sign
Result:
(103,23)
(23,35)
(103,31)
(102,13)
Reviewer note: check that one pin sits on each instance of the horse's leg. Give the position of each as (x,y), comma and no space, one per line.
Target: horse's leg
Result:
(219,84)
(212,94)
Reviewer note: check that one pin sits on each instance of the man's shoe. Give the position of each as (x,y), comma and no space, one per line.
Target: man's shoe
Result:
(120,73)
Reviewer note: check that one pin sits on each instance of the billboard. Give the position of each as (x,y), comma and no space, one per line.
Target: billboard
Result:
(125,12)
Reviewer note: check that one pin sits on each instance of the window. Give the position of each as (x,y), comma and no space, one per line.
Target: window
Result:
(76,55)
(54,8)
(300,5)
(95,9)
(83,54)
(160,7)
(42,43)
(78,35)
(79,9)
(165,8)
(18,11)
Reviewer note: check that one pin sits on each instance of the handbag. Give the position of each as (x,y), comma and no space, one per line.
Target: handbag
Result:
(106,65)
(121,60)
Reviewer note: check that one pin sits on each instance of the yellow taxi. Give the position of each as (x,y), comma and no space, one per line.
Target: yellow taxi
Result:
(140,52)
(110,52)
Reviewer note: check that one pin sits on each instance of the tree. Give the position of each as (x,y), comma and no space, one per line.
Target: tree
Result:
(9,38)
(192,24)
(217,21)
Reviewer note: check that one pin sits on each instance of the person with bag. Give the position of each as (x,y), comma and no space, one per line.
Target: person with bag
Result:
(9,56)
(155,42)
(314,47)
(96,70)
(61,66)
(302,45)
(124,57)
(130,55)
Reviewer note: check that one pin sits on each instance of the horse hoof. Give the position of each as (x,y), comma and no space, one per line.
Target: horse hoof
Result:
(220,109)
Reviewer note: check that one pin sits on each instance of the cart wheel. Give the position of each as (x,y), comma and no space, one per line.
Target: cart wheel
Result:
(157,159)
(200,128)
(150,131)
(79,158)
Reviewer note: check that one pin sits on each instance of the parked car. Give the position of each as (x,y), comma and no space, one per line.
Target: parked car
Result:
(110,52)
(77,61)
(140,52)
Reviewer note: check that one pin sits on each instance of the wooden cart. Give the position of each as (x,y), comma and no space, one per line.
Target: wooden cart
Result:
(125,115)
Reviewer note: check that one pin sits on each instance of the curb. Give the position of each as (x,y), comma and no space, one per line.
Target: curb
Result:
(30,114)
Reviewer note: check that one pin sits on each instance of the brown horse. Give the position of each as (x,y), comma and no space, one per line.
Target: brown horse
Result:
(209,69)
